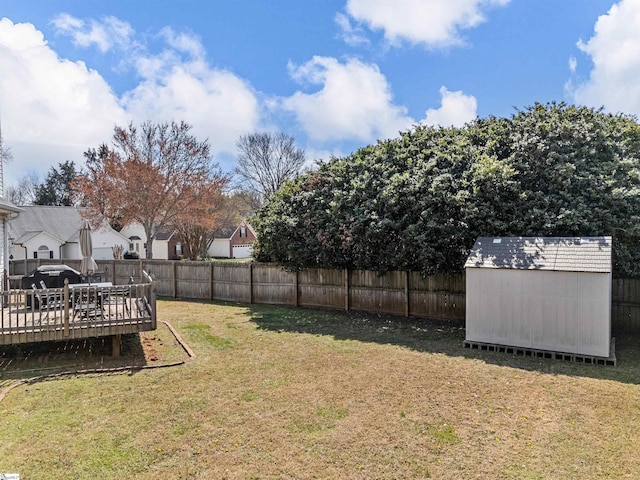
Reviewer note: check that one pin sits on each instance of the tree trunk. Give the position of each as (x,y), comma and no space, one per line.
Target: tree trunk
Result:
(149,243)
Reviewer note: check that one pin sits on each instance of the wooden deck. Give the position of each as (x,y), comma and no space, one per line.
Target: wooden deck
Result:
(43,315)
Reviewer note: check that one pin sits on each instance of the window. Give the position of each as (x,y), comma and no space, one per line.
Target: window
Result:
(178,249)
(243,232)
(43,252)
(131,247)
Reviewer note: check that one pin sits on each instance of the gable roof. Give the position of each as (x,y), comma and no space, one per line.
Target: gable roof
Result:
(164,234)
(227,231)
(571,254)
(31,235)
(62,223)
(243,224)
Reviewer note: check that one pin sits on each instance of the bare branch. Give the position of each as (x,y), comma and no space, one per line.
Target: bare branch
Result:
(267,161)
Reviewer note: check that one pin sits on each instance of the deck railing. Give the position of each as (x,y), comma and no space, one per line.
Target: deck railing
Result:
(76,311)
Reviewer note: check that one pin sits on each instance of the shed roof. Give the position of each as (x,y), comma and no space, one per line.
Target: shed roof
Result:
(569,254)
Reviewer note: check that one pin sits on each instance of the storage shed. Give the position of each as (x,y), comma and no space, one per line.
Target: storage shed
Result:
(541,293)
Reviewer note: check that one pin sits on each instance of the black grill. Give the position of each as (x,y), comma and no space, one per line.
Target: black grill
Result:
(52,275)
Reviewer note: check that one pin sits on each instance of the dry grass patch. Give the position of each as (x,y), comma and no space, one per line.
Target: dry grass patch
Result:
(278,392)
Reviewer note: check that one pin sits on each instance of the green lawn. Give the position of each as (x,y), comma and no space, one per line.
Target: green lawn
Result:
(284,393)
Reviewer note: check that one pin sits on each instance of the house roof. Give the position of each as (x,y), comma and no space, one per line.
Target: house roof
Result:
(8,207)
(62,223)
(572,254)
(31,235)
(225,232)
(164,234)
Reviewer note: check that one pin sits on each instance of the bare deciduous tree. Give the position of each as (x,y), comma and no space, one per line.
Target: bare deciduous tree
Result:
(5,157)
(266,161)
(24,192)
(158,176)
(5,152)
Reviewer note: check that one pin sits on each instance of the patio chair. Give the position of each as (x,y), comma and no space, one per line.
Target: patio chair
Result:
(86,303)
(44,301)
(51,299)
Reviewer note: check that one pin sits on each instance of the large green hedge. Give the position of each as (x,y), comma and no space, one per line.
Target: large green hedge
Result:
(419,201)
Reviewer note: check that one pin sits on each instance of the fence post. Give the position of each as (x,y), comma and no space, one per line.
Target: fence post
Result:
(175,278)
(154,298)
(251,282)
(406,294)
(211,281)
(295,288)
(346,289)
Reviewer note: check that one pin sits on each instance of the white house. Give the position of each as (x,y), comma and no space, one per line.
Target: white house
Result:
(165,244)
(52,232)
(136,239)
(7,212)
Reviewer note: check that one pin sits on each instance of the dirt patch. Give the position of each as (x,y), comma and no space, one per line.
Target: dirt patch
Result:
(151,346)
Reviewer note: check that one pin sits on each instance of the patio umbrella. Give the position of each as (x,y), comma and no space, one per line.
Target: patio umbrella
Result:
(88,264)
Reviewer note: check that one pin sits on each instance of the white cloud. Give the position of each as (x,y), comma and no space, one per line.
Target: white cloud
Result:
(433,23)
(51,104)
(354,103)
(573,64)
(219,105)
(456,109)
(178,84)
(50,100)
(350,34)
(182,42)
(614,49)
(109,33)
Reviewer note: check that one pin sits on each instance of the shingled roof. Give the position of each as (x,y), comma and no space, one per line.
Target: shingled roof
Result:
(569,254)
(60,222)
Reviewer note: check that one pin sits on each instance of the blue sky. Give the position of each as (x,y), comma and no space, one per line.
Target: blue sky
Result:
(335,74)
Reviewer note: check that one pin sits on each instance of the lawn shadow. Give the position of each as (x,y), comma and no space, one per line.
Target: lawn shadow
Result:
(436,336)
(28,360)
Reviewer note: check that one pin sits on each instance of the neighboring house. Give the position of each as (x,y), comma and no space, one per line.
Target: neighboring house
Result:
(136,239)
(8,211)
(233,242)
(228,242)
(52,232)
(165,245)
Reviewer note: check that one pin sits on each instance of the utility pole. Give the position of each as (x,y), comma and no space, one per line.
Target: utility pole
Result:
(1,163)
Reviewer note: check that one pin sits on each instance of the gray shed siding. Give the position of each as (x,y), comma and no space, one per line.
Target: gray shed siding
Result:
(539,306)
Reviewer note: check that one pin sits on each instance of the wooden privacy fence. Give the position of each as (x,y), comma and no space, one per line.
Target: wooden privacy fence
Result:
(398,293)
